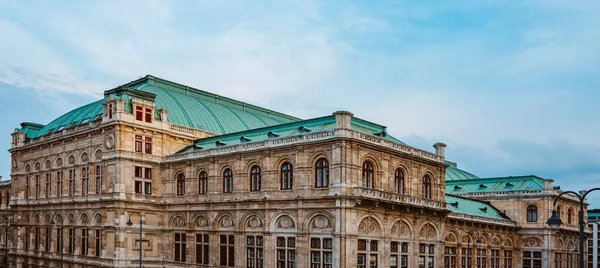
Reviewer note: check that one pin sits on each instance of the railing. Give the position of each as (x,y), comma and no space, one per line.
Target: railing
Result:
(182,129)
(398,198)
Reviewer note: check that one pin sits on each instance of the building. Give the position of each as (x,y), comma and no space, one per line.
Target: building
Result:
(222,183)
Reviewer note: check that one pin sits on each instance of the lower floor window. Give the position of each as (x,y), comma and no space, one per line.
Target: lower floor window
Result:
(202,246)
(426,255)
(180,254)
(495,258)
(398,254)
(321,255)
(508,263)
(254,252)
(227,250)
(450,257)
(286,252)
(143,187)
(481,258)
(466,257)
(558,260)
(368,252)
(532,259)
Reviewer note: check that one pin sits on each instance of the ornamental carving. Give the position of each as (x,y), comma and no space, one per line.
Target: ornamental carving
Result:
(531,242)
(285,222)
(71,160)
(48,165)
(201,221)
(37,166)
(98,219)
(84,219)
(451,238)
(427,231)
(98,155)
(400,229)
(59,162)
(27,168)
(495,241)
(368,225)
(179,222)
(508,243)
(226,222)
(254,222)
(85,157)
(321,222)
(110,141)
(15,163)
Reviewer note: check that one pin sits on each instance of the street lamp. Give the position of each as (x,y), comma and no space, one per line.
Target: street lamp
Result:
(5,240)
(555,222)
(129,223)
(469,247)
(60,240)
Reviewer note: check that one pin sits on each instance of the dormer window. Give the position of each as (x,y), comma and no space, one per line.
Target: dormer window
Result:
(143,114)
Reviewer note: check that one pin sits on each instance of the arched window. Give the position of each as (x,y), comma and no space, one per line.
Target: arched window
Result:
(399,181)
(427,187)
(558,211)
(287,180)
(367,174)
(202,182)
(322,173)
(180,184)
(569,216)
(532,213)
(227,181)
(255,178)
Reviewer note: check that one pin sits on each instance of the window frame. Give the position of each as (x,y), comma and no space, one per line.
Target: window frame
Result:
(368,174)
(532,213)
(399,181)
(322,173)
(202,182)
(228,181)
(180,184)
(427,193)
(180,245)
(255,179)
(286,176)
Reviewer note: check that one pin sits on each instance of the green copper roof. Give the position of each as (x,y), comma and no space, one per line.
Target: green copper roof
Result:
(453,173)
(186,106)
(473,207)
(319,124)
(499,184)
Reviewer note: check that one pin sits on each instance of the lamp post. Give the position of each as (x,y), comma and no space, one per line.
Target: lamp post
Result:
(555,222)
(129,223)
(5,241)
(469,247)
(60,241)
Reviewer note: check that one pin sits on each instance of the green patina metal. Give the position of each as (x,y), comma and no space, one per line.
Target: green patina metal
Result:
(499,184)
(453,173)
(473,207)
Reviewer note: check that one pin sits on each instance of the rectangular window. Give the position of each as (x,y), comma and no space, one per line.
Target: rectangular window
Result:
(426,255)
(71,248)
(98,243)
(533,259)
(321,254)
(180,246)
(148,145)
(286,252)
(481,260)
(148,173)
(36,239)
(37,186)
(139,113)
(138,143)
(98,179)
(48,185)
(466,258)
(202,246)
(558,260)
(368,253)
(110,111)
(27,238)
(450,257)
(254,252)
(27,187)
(71,182)
(148,115)
(59,240)
(84,242)
(48,238)
(227,250)
(495,258)
(85,180)
(143,180)
(59,183)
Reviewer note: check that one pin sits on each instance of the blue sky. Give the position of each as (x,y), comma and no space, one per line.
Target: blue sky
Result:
(510,86)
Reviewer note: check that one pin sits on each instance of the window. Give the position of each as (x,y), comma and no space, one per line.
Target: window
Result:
(481,260)
(27,238)
(98,243)
(59,239)
(321,254)
(227,181)
(287,173)
(426,255)
(368,251)
(450,257)
(569,216)
(98,179)
(532,259)
(180,184)
(71,237)
(148,145)
(495,258)
(148,115)
(558,260)
(227,250)
(84,242)
(399,181)
(570,260)
(255,179)
(110,112)
(367,174)
(427,187)
(138,143)
(531,213)
(254,252)
(143,180)
(139,113)
(71,182)
(202,182)
(48,239)
(85,178)
(48,185)
(466,258)
(202,247)
(558,208)
(27,187)
(59,183)
(322,173)
(36,238)
(399,255)
(179,247)
(286,252)
(37,186)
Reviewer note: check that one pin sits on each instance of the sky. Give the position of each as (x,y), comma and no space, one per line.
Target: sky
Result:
(511,86)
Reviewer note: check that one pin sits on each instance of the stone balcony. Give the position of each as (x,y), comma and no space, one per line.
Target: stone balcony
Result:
(398,199)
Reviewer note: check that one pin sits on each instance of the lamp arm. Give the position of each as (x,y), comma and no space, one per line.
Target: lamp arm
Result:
(589,191)
(568,192)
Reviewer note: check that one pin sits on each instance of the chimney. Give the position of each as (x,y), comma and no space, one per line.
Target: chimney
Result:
(342,119)
(163,115)
(440,149)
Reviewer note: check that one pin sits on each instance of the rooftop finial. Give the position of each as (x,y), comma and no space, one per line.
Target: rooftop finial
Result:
(440,149)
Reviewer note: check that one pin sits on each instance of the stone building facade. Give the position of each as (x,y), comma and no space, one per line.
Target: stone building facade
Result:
(222,183)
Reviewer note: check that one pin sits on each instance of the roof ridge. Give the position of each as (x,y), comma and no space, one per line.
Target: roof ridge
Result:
(471,199)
